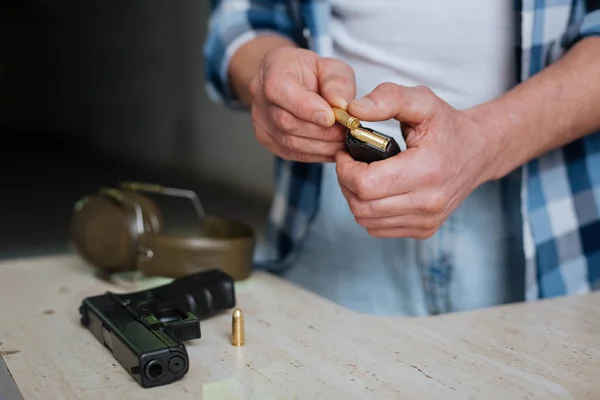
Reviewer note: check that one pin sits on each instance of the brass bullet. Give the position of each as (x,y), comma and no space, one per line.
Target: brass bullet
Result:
(237,328)
(360,132)
(370,136)
(346,119)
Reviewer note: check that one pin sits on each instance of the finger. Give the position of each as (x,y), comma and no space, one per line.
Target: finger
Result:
(402,233)
(288,154)
(297,144)
(309,146)
(412,105)
(396,175)
(350,172)
(337,82)
(410,221)
(404,204)
(290,94)
(269,137)
(287,122)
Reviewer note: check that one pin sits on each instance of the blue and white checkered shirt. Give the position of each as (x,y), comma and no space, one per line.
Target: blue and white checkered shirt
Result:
(560,190)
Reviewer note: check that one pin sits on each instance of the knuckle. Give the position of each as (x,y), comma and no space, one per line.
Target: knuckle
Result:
(284,120)
(373,232)
(387,88)
(335,83)
(358,208)
(334,64)
(361,221)
(355,207)
(292,142)
(337,79)
(435,204)
(423,90)
(262,138)
(272,89)
(428,100)
(301,157)
(429,224)
(348,70)
(364,187)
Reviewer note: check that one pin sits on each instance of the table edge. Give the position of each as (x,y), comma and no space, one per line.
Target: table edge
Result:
(9,390)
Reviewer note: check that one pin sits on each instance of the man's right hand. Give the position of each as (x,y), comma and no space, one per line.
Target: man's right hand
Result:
(291,95)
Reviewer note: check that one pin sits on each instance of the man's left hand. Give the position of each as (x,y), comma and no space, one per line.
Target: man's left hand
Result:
(414,192)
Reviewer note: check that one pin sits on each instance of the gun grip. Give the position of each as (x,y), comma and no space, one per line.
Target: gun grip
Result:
(365,152)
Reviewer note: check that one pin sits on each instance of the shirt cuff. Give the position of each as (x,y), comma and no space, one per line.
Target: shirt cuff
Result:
(218,84)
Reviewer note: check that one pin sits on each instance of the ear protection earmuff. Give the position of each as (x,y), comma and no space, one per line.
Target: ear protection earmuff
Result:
(122,230)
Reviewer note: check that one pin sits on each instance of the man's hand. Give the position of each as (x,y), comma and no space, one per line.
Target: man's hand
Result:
(292,95)
(411,194)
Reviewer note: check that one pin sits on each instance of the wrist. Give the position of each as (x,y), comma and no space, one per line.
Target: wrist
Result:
(246,60)
(493,126)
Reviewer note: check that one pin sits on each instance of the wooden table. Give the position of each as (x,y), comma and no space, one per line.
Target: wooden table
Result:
(301,346)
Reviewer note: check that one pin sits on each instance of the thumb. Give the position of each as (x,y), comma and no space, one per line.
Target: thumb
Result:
(337,82)
(411,105)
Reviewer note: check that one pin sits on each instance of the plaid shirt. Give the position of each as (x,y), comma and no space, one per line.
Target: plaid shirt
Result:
(560,190)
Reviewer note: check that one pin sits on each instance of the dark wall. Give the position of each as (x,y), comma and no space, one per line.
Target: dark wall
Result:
(125,77)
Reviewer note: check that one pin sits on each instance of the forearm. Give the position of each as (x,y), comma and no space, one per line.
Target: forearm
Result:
(554,107)
(245,62)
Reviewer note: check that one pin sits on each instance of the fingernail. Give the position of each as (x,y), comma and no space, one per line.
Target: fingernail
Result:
(322,118)
(364,102)
(341,101)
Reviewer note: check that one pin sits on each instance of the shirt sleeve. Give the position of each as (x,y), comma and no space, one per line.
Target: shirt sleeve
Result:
(590,25)
(587,15)
(231,24)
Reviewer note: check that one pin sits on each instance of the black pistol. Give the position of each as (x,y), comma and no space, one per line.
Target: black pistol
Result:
(145,330)
(365,144)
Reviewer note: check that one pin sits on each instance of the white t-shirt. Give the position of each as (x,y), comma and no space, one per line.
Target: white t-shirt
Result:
(463,50)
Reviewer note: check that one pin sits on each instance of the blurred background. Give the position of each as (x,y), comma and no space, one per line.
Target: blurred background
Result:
(95,92)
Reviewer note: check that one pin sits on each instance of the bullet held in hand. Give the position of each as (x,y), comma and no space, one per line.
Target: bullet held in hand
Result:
(359,132)
(365,144)
(346,119)
(237,328)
